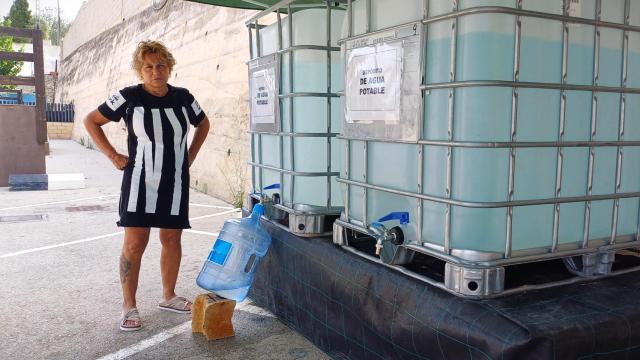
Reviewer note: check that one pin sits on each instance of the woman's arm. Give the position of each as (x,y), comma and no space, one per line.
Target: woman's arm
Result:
(202,130)
(93,123)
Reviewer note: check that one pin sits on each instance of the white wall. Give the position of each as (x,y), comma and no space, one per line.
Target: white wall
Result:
(210,45)
(96,16)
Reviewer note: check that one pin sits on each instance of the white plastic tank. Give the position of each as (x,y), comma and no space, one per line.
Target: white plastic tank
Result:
(485,50)
(309,112)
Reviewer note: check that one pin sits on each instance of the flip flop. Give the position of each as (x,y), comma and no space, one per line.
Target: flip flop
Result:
(178,305)
(131,315)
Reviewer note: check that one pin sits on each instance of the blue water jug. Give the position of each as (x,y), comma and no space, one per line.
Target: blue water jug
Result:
(232,262)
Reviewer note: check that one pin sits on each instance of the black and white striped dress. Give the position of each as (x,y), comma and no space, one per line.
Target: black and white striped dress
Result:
(155,183)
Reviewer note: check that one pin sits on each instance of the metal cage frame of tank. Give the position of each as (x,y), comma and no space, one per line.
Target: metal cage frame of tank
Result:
(465,267)
(303,220)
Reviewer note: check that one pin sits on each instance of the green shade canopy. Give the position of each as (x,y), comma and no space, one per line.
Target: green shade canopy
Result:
(259,4)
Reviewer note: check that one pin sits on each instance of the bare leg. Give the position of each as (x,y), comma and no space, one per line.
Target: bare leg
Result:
(135,242)
(170,260)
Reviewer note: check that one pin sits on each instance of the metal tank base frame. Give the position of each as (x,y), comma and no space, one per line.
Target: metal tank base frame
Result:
(301,220)
(483,277)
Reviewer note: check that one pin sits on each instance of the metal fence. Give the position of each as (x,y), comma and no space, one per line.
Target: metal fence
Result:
(7,99)
(54,112)
(14,102)
(60,112)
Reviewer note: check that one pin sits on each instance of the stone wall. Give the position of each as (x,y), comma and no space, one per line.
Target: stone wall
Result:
(50,81)
(210,45)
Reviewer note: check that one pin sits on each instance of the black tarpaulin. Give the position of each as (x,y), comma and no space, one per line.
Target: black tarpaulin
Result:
(352,308)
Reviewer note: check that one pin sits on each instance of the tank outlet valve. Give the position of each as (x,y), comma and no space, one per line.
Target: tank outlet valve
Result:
(275,197)
(382,234)
(379,246)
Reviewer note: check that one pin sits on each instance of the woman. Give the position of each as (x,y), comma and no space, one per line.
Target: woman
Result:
(155,182)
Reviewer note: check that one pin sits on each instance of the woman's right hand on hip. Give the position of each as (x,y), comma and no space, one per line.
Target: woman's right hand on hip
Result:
(119,161)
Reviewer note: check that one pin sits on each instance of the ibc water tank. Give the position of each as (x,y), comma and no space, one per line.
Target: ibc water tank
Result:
(310,112)
(482,149)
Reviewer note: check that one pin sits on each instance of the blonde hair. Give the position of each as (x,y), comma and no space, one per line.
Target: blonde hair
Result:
(151,47)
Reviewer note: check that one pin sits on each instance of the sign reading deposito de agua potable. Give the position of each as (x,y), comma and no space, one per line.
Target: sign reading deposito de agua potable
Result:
(264,89)
(382,84)
(373,84)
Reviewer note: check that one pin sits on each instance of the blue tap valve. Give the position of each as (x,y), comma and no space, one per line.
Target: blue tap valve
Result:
(272,187)
(402,216)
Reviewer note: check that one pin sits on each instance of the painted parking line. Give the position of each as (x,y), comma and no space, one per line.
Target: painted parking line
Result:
(247,306)
(212,206)
(176,330)
(22,252)
(42,248)
(147,343)
(216,214)
(201,232)
(104,197)
(57,202)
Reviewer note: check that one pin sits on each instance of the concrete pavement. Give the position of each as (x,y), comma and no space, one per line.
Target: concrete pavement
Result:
(61,296)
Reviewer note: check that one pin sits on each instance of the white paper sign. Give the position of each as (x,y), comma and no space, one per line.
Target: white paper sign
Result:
(575,8)
(263,96)
(373,82)
(383,75)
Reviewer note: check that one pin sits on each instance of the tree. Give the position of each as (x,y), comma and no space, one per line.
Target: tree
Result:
(20,17)
(64,28)
(49,25)
(8,68)
(45,28)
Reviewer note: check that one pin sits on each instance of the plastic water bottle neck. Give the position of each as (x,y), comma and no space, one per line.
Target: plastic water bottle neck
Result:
(258,210)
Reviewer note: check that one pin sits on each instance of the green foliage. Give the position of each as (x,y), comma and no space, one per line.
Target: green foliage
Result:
(47,22)
(49,25)
(46,29)
(8,68)
(20,17)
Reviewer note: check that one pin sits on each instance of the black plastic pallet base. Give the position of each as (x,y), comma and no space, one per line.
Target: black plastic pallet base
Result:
(352,308)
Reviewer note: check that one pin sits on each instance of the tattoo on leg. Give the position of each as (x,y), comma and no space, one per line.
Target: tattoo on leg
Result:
(125,266)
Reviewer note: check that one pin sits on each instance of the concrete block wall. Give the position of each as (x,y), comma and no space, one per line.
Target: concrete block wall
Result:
(56,130)
(211,47)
